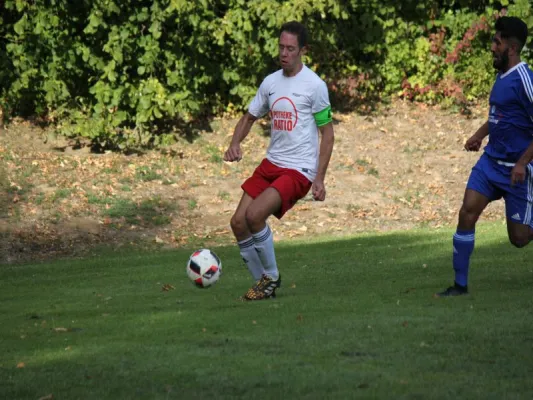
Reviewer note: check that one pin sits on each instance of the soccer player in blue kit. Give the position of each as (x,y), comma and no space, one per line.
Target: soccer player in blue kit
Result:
(505,169)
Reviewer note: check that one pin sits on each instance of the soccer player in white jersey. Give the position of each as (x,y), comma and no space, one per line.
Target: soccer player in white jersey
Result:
(505,169)
(298,103)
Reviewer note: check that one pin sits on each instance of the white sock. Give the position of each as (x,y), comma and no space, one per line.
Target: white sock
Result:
(264,245)
(251,258)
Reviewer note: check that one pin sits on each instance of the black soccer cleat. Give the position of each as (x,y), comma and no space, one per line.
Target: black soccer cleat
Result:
(455,290)
(265,288)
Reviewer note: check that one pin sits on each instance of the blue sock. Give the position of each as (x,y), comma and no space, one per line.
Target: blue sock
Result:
(463,245)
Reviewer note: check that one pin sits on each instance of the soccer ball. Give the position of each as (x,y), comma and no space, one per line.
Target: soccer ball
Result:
(204,268)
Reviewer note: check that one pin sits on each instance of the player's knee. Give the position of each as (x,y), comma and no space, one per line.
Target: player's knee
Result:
(468,216)
(238,224)
(253,218)
(519,241)
(467,212)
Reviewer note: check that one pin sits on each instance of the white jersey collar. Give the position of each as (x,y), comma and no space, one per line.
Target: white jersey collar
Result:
(294,76)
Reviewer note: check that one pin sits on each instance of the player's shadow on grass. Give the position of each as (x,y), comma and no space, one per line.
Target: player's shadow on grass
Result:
(426,257)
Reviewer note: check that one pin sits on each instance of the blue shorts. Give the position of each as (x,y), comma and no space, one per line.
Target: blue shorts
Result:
(493,180)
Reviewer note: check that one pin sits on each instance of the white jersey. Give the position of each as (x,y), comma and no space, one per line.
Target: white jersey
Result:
(291,102)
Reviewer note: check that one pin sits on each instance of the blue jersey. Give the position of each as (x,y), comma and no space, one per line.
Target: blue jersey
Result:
(511,114)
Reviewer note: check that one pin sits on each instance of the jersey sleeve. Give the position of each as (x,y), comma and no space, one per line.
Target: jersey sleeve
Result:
(526,94)
(259,105)
(321,98)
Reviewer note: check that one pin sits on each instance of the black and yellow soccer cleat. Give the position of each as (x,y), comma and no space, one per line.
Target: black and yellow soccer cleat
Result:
(265,288)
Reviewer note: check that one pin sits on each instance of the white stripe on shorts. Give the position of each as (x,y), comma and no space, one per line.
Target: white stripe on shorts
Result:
(527,218)
(507,164)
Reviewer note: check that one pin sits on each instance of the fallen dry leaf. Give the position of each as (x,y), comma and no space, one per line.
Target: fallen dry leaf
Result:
(21,365)
(166,287)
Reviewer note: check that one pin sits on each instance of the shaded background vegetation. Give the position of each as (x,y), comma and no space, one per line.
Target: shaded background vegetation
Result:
(130,73)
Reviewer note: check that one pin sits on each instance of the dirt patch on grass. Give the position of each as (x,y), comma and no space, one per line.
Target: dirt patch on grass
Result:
(401,169)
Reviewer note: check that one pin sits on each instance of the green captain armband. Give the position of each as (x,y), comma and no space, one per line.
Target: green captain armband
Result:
(323,117)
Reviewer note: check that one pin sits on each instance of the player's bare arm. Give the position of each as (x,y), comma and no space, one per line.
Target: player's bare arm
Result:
(474,142)
(242,130)
(326,148)
(518,174)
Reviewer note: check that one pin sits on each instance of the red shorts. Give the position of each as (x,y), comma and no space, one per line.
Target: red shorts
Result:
(290,184)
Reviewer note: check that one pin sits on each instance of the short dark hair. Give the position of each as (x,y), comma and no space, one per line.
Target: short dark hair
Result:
(512,28)
(298,29)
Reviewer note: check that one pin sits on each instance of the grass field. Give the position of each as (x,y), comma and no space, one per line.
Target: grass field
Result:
(355,318)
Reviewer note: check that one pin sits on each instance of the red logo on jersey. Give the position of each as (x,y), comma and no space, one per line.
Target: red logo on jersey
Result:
(284,115)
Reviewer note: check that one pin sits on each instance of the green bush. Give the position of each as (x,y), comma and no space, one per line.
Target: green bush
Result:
(126,73)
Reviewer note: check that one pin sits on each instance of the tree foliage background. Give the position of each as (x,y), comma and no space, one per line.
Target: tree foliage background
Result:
(126,73)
